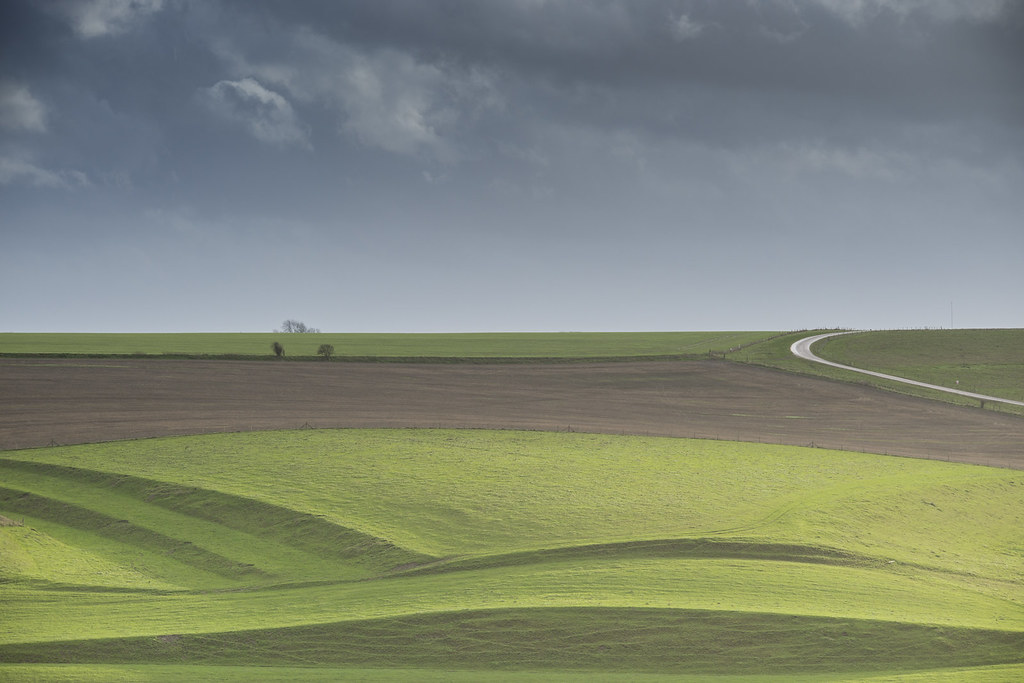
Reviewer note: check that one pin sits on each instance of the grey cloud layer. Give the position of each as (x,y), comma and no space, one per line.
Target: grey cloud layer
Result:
(465,133)
(411,77)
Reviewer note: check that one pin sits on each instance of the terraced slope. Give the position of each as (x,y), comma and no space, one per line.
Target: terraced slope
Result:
(408,554)
(207,532)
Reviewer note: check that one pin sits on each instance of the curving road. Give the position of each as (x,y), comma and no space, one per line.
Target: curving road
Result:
(802,349)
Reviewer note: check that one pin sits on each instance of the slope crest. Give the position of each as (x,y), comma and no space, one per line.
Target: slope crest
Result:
(592,638)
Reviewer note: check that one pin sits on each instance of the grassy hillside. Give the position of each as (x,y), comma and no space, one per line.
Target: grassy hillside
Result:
(987,362)
(447,346)
(983,361)
(411,554)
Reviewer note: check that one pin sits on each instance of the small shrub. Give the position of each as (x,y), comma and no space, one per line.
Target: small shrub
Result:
(325,350)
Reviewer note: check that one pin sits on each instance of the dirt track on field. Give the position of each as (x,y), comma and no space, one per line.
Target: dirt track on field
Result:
(46,402)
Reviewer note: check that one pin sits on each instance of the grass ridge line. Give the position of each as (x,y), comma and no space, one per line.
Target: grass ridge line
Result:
(580,638)
(75,516)
(671,548)
(299,530)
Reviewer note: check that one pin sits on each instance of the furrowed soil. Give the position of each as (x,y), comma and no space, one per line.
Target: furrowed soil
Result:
(65,401)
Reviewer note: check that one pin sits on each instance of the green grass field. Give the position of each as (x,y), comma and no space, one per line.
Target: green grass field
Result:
(989,361)
(386,346)
(983,361)
(461,555)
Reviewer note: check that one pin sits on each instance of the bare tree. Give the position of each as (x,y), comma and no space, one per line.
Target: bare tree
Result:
(298,326)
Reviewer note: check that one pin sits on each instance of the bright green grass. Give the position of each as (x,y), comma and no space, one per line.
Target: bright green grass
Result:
(526,552)
(453,346)
(450,492)
(984,361)
(34,555)
(227,538)
(109,673)
(796,589)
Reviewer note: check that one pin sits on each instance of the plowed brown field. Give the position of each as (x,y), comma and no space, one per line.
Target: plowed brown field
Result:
(59,401)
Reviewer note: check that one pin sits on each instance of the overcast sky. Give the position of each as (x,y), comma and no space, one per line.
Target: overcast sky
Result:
(514,165)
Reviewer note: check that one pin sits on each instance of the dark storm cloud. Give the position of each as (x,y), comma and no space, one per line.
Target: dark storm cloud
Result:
(423,77)
(26,39)
(917,64)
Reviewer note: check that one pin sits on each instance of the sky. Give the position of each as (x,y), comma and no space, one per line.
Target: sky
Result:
(512,165)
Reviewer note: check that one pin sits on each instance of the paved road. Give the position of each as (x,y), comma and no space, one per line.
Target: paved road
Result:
(802,349)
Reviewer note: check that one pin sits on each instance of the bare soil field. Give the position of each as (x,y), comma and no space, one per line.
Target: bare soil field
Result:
(64,401)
